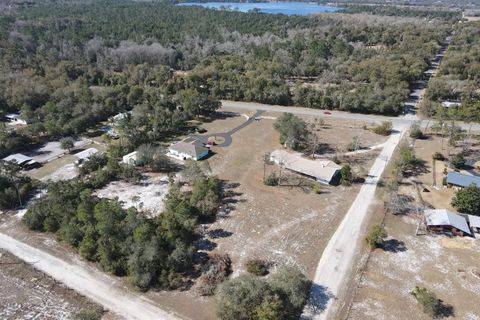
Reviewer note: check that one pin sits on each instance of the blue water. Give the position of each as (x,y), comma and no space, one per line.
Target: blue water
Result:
(288,8)
(107,129)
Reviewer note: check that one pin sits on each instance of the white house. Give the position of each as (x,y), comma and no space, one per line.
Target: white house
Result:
(130,159)
(189,148)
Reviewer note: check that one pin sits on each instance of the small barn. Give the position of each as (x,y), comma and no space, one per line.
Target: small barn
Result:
(460,180)
(474,222)
(130,159)
(447,222)
(322,170)
(22,160)
(85,155)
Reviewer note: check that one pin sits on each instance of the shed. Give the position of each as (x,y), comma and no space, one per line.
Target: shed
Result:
(86,154)
(458,179)
(474,222)
(322,170)
(445,221)
(25,161)
(130,159)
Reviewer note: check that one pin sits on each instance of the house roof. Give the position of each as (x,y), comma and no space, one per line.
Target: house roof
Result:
(462,180)
(319,168)
(85,154)
(474,221)
(444,217)
(19,158)
(190,146)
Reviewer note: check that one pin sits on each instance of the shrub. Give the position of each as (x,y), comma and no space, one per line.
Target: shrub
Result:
(415,131)
(201,130)
(218,269)
(467,200)
(346,176)
(316,189)
(376,236)
(385,129)
(438,156)
(271,180)
(429,301)
(457,161)
(88,315)
(257,267)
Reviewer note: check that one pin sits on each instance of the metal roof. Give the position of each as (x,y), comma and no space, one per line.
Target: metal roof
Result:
(462,180)
(190,146)
(18,158)
(85,154)
(444,217)
(321,169)
(474,221)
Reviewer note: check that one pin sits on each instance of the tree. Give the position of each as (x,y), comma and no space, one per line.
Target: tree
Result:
(415,131)
(457,161)
(384,129)
(467,200)
(293,130)
(153,157)
(376,237)
(67,143)
(346,175)
(291,282)
(407,161)
(429,301)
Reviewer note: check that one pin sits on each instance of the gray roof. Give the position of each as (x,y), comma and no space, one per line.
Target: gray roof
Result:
(474,221)
(462,180)
(444,217)
(85,154)
(190,146)
(18,158)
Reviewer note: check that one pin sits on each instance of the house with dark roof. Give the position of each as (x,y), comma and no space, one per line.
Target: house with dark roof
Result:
(445,221)
(461,180)
(189,148)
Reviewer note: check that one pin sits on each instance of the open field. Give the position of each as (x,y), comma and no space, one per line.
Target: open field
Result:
(447,266)
(29,294)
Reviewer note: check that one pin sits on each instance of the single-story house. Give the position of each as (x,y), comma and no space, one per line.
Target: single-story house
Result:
(130,159)
(474,222)
(445,221)
(189,148)
(461,180)
(22,160)
(322,170)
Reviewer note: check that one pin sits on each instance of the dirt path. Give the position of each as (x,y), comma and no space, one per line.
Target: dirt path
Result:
(337,259)
(91,283)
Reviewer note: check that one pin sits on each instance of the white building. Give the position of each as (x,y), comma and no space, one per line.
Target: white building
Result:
(189,148)
(322,170)
(130,159)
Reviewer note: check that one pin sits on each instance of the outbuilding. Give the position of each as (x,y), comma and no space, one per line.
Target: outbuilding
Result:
(445,221)
(474,222)
(22,160)
(322,170)
(460,180)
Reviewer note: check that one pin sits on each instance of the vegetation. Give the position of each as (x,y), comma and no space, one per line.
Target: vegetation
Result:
(67,143)
(385,129)
(257,267)
(430,303)
(281,296)
(457,161)
(438,156)
(346,176)
(467,200)
(151,252)
(218,269)
(376,237)
(415,131)
(15,188)
(407,162)
(405,11)
(293,130)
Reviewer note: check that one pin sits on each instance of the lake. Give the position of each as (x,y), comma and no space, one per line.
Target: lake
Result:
(288,8)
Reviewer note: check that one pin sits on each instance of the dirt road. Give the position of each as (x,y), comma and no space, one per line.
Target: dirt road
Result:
(89,282)
(337,258)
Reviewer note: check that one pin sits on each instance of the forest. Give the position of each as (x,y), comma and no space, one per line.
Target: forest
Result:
(458,79)
(67,66)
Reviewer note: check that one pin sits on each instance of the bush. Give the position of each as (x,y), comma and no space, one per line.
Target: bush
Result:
(457,161)
(438,156)
(316,189)
(376,236)
(467,200)
(385,129)
(346,176)
(219,268)
(257,267)
(415,131)
(429,301)
(271,180)
(88,315)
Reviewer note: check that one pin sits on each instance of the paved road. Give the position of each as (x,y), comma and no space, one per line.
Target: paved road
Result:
(399,121)
(89,282)
(227,136)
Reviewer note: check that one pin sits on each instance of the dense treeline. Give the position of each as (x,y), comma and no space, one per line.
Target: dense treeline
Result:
(404,11)
(458,78)
(154,252)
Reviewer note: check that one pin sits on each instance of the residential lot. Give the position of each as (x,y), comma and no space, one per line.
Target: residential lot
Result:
(30,294)
(448,266)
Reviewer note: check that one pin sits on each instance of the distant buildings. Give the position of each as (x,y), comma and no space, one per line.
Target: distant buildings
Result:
(24,161)
(189,148)
(323,171)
